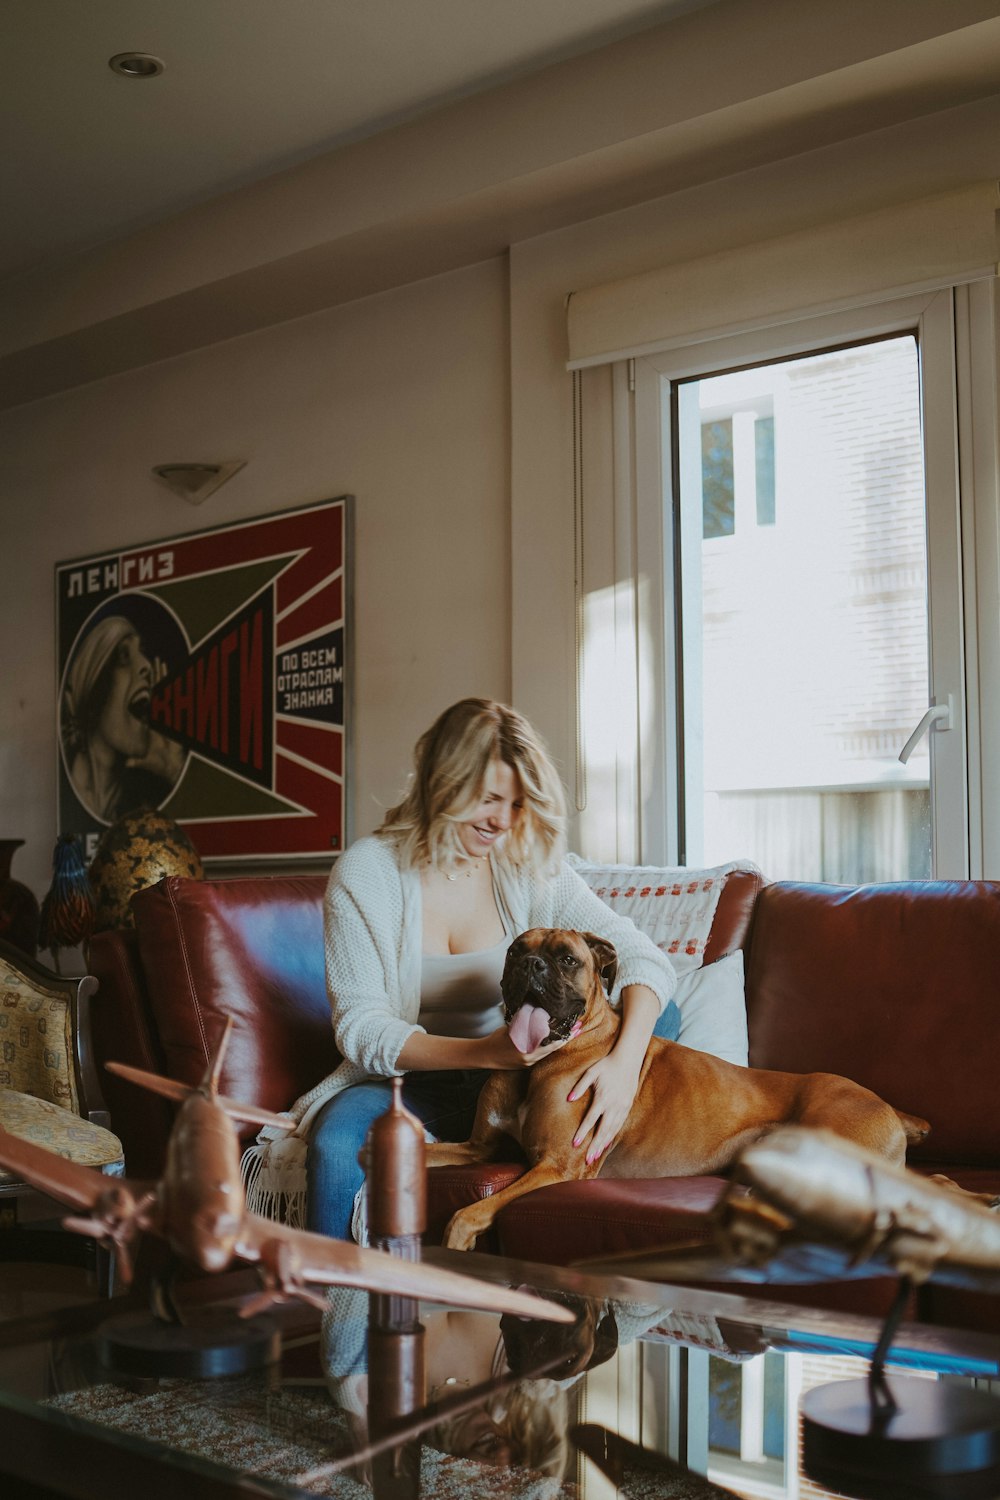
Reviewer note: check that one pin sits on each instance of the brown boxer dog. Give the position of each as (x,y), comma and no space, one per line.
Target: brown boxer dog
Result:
(693,1113)
(591,1341)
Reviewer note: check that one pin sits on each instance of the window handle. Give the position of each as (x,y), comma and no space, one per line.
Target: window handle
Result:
(939,716)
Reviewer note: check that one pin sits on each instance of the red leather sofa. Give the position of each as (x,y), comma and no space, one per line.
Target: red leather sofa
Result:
(896,986)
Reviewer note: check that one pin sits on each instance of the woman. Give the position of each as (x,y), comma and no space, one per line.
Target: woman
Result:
(418,919)
(114,758)
(522,1424)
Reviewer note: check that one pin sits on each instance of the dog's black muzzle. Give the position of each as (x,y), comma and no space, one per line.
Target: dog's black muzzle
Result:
(536,979)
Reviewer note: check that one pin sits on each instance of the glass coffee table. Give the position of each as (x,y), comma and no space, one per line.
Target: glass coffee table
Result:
(655,1390)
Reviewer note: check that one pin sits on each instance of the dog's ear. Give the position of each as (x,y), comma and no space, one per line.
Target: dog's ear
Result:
(605,958)
(510,963)
(605,1339)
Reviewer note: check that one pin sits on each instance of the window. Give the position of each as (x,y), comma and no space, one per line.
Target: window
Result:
(806,637)
(803,553)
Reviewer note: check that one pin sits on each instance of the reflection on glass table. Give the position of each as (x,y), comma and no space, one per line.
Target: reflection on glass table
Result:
(654,1391)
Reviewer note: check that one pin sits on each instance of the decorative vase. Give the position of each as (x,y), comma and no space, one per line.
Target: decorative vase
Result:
(19,910)
(138,850)
(68,906)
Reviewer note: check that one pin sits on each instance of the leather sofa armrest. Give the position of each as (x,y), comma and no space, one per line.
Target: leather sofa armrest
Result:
(123,1030)
(734,914)
(251,950)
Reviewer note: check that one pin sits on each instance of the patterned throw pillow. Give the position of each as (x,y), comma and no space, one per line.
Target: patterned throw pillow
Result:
(673,906)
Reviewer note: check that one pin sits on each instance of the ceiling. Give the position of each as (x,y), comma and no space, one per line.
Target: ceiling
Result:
(250,87)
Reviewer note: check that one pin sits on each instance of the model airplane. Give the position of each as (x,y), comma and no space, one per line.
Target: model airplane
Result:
(820,1206)
(199,1208)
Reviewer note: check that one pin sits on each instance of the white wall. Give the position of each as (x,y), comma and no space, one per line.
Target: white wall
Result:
(400,400)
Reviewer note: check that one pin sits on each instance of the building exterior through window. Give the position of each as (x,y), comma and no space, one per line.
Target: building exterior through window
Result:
(805,626)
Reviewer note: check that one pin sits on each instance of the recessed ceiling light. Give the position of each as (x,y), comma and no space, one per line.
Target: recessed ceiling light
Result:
(135,64)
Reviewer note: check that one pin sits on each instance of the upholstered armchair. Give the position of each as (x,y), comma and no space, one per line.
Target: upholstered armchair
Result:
(49,1091)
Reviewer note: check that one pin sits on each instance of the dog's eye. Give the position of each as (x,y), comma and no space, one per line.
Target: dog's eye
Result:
(569,961)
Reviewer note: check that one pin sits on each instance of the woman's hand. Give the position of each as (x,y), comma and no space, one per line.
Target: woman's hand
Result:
(614,1082)
(422,1052)
(499,1051)
(614,1079)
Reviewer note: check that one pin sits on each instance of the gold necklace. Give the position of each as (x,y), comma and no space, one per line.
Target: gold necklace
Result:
(466,874)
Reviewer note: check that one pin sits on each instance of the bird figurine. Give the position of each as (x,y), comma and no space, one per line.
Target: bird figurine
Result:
(68,908)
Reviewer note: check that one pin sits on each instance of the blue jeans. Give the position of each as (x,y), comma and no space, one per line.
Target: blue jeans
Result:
(669,1024)
(444,1101)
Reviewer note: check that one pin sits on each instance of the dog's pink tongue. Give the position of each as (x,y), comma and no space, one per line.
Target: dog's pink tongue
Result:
(529,1027)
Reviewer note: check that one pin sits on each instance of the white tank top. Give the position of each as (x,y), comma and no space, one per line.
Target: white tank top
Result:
(460,992)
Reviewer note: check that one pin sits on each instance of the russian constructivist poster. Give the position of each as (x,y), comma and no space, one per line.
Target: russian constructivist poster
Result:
(208,676)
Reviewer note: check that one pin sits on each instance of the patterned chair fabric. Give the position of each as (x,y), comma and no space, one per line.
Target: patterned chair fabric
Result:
(36,1039)
(44,1065)
(60,1130)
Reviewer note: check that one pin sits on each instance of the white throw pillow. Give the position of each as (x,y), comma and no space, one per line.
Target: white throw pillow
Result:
(713,1009)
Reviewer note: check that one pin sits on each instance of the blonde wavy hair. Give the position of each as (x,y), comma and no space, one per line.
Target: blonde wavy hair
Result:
(451,763)
(530,1422)
(528,1426)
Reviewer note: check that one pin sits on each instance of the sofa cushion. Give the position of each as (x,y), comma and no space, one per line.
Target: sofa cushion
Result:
(573,1222)
(894,986)
(252,949)
(123,1030)
(607,1216)
(452,1188)
(958,1307)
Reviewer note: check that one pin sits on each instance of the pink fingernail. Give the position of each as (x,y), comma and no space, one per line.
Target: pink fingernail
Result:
(570,1098)
(576,1142)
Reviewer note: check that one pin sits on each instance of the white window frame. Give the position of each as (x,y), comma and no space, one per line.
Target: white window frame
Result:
(958,337)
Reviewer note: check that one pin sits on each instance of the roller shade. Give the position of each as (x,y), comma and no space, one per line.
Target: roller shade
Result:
(917,246)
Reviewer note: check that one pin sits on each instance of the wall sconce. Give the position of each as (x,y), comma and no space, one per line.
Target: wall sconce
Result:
(195,482)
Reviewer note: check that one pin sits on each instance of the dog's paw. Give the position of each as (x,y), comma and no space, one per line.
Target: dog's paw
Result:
(460,1235)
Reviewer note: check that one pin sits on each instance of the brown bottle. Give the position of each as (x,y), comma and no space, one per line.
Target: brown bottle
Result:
(394,1160)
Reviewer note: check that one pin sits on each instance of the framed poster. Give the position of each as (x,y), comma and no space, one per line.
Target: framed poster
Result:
(208,675)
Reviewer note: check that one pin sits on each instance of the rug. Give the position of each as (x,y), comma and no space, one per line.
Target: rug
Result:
(281,1434)
(284,1432)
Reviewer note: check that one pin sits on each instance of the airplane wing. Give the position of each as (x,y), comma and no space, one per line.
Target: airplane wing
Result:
(66,1181)
(252,1114)
(319,1259)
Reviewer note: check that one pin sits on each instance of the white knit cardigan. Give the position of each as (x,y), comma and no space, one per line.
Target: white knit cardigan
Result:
(373,930)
